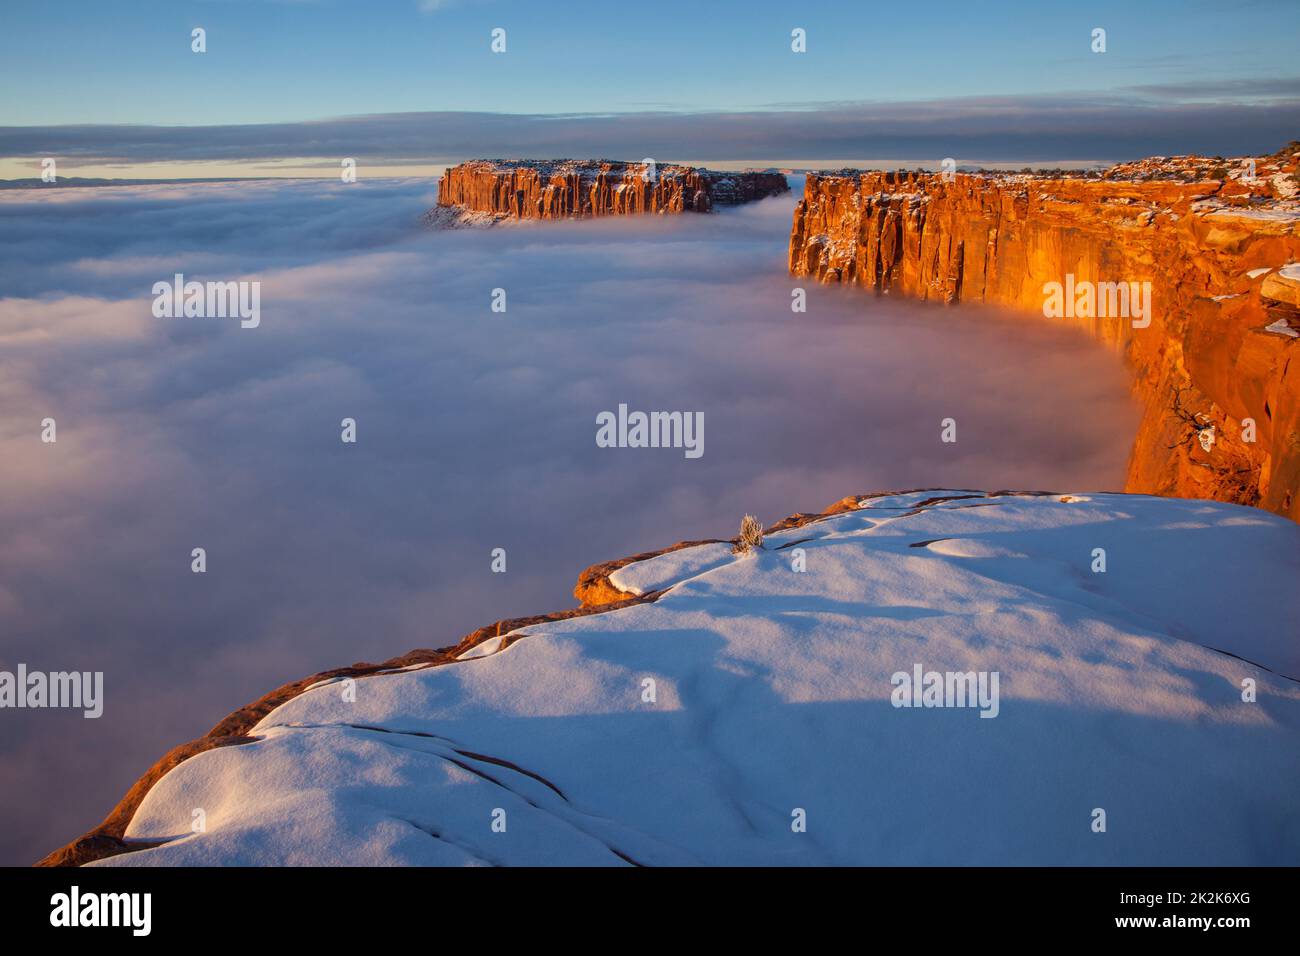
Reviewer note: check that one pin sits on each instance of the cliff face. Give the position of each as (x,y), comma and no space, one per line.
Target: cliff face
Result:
(1217,246)
(571,189)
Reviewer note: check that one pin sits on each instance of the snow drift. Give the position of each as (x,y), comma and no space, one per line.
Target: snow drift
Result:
(747,716)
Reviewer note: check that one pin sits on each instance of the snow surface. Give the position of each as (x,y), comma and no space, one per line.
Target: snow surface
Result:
(1118,690)
(645,576)
(1280,213)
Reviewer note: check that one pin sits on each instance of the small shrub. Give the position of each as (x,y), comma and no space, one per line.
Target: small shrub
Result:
(751,536)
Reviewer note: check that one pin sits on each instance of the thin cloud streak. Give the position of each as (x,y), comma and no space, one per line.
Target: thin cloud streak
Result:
(1229,118)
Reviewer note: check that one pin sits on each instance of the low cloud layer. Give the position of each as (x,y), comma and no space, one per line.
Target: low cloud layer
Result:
(1231,119)
(476,430)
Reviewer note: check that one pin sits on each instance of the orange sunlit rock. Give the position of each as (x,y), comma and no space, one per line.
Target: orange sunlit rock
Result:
(1213,238)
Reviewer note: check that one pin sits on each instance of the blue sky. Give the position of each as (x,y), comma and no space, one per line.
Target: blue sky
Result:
(414,82)
(269,61)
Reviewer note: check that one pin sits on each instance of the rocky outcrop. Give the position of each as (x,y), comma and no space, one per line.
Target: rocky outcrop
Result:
(580,189)
(1218,241)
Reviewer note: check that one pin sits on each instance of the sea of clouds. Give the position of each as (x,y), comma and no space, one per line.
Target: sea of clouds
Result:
(476,430)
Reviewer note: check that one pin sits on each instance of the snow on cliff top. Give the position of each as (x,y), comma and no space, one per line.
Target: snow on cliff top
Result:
(593,167)
(772,695)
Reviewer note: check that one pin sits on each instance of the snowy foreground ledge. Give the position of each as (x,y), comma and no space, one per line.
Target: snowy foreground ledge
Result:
(1117,690)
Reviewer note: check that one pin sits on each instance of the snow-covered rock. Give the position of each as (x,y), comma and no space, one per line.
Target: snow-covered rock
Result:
(1283,285)
(773,702)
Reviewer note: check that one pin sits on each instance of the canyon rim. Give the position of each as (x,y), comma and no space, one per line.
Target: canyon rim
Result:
(1217,239)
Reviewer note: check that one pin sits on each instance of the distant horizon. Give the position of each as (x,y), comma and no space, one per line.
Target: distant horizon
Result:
(94,176)
(408,87)
(1011,132)
(15,173)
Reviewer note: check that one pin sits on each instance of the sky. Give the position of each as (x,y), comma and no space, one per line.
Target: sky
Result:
(475,430)
(291,86)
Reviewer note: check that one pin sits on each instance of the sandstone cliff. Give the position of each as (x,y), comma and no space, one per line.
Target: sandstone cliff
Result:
(579,189)
(1218,241)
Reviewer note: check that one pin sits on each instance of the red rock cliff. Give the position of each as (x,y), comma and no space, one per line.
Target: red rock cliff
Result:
(566,189)
(1218,241)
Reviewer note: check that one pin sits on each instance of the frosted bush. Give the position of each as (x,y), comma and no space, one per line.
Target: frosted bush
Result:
(751,536)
